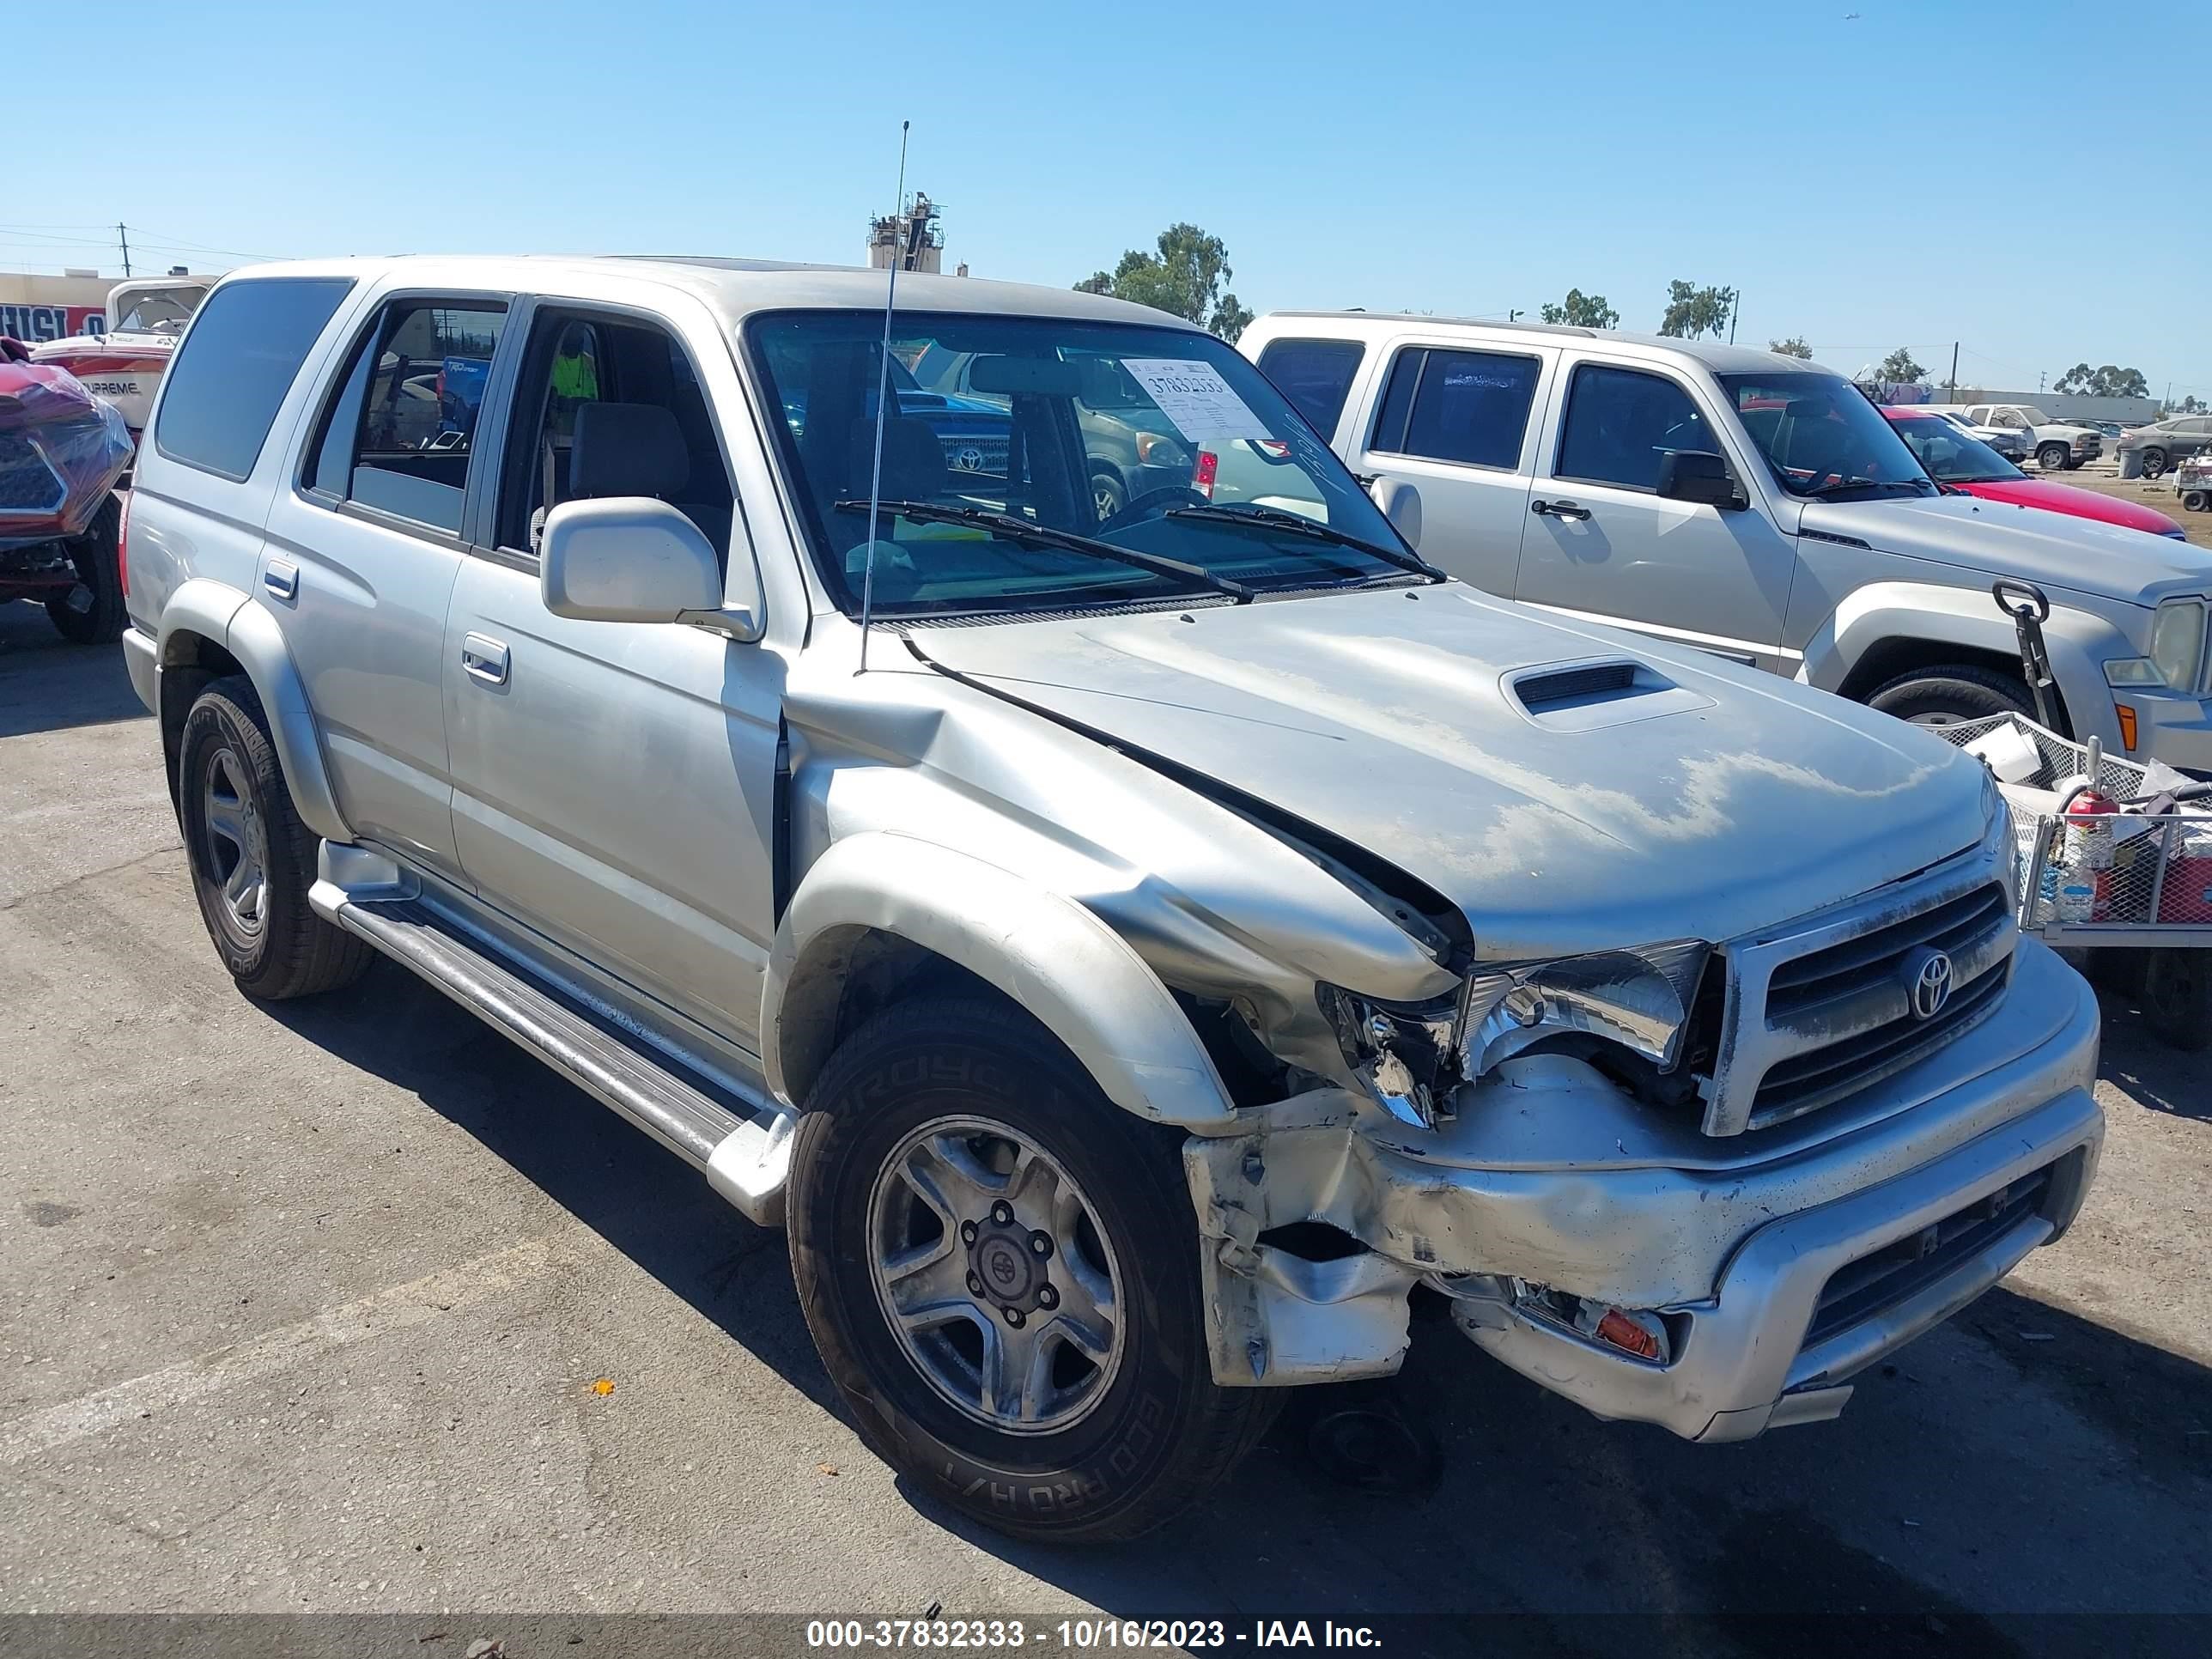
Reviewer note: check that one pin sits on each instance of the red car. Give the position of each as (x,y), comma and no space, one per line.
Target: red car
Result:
(1960,461)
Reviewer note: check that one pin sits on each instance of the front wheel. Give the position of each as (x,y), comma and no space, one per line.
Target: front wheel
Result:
(2154,463)
(1951,693)
(1001,1269)
(1108,497)
(2195,500)
(2053,457)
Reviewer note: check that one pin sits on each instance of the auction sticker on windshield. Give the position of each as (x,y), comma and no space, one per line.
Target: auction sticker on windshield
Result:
(1194,397)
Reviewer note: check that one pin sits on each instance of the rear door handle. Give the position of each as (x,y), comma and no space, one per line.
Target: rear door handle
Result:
(485,658)
(1544,509)
(281,579)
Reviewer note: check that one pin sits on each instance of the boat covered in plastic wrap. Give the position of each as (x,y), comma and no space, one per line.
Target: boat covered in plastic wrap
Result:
(62,450)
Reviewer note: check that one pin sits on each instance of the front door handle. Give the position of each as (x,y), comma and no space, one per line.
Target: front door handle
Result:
(1544,509)
(282,577)
(485,658)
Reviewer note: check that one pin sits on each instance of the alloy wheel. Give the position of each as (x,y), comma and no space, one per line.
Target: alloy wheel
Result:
(237,842)
(996,1280)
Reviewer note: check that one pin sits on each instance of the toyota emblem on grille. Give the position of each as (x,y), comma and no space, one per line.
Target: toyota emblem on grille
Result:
(1928,978)
(967,458)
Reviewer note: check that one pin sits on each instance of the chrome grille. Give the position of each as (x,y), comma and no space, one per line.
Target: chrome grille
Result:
(987,455)
(1823,1008)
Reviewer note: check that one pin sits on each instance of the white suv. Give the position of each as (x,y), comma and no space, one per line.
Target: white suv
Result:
(1751,505)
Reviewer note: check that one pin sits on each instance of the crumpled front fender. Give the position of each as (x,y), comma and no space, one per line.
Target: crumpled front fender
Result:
(1076,975)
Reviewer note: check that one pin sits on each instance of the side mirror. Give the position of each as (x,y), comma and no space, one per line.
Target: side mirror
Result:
(1698,476)
(632,559)
(1401,504)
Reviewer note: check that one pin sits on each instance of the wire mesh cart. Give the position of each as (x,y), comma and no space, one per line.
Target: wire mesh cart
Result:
(2137,878)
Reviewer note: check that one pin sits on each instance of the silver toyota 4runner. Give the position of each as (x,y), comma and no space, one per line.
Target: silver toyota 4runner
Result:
(1163,944)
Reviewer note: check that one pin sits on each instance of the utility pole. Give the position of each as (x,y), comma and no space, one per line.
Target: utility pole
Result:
(1512,316)
(1736,306)
(1954,368)
(2040,377)
(123,235)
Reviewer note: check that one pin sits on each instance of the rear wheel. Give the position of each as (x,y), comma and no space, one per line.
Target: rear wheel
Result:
(91,612)
(2154,463)
(1001,1269)
(1951,692)
(2195,500)
(252,860)
(2052,457)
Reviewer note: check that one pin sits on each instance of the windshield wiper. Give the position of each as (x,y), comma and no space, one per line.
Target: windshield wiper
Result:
(1039,535)
(1278,518)
(1912,484)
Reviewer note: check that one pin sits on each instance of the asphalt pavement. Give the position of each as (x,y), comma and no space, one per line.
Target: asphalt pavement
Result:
(347,1306)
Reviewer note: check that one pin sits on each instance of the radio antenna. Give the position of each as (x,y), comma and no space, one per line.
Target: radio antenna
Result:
(882,412)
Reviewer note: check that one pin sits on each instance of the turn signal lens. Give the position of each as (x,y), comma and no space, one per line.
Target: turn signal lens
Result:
(1627,1334)
(2127,725)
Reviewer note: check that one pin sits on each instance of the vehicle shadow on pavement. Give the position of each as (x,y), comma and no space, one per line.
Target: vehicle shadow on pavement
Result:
(2025,1457)
(642,1199)
(47,684)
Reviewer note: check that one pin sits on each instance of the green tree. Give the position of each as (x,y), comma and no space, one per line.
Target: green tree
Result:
(1580,310)
(1899,367)
(1188,276)
(1693,313)
(1794,346)
(2109,381)
(2191,405)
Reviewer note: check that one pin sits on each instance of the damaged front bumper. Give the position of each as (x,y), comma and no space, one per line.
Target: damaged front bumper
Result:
(1772,1265)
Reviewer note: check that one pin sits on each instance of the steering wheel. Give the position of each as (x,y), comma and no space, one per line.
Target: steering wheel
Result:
(1151,502)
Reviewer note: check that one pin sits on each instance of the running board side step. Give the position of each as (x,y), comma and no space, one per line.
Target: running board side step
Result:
(745,1149)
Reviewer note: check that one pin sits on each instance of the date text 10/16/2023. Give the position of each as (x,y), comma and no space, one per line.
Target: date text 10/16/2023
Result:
(1084,1635)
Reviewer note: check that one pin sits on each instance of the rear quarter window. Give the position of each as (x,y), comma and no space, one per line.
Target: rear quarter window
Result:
(1315,375)
(236,363)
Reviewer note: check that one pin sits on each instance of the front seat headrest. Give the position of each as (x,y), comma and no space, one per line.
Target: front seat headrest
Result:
(626,449)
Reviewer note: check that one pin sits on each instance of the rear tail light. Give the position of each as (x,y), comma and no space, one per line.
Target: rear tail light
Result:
(1203,472)
(123,540)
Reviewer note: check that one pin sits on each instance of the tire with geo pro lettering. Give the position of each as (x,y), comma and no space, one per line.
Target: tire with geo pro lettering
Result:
(1001,1269)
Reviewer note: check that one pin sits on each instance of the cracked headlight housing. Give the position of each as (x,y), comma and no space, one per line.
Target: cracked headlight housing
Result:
(1411,1057)
(1640,998)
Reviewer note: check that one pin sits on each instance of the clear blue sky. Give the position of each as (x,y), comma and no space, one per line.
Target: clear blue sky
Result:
(1989,172)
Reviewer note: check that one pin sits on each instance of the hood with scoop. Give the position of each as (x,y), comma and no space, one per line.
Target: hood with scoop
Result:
(1567,788)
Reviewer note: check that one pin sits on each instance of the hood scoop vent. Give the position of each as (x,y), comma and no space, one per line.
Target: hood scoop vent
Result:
(1584,696)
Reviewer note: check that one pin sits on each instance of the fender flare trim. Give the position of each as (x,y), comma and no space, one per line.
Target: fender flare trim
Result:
(219,613)
(1079,978)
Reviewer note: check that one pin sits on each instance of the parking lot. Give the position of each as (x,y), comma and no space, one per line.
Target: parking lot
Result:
(346,1305)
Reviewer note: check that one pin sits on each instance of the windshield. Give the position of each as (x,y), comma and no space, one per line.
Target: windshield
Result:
(1032,419)
(158,311)
(1820,436)
(1950,454)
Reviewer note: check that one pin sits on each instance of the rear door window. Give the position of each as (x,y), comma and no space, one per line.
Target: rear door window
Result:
(398,436)
(1622,424)
(236,364)
(1315,375)
(1471,407)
